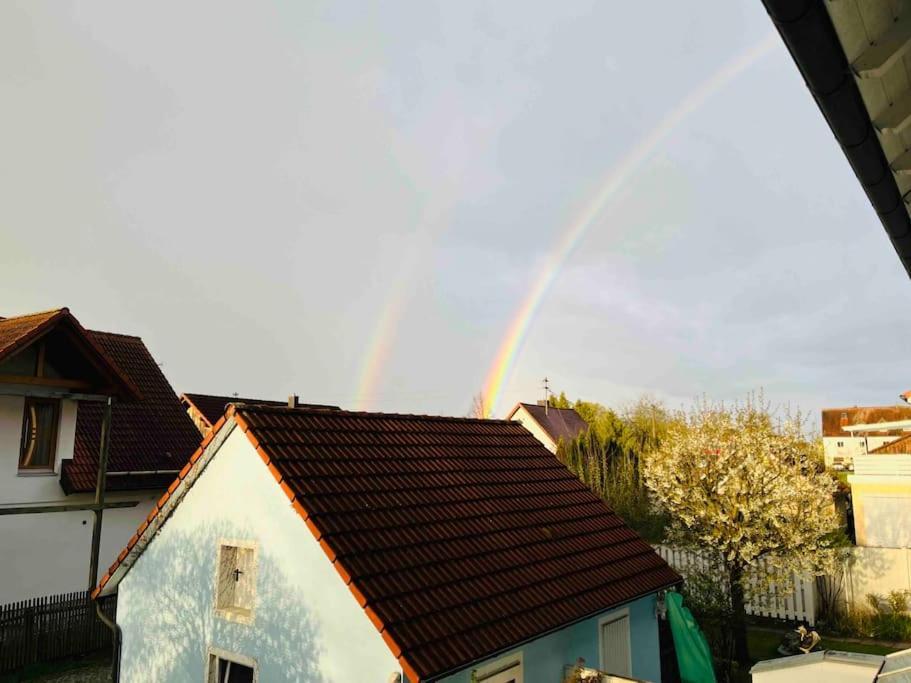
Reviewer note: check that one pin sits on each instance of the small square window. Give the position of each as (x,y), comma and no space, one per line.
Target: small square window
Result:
(38,447)
(225,668)
(235,589)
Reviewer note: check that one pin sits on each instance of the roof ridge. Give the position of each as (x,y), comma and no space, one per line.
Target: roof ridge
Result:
(890,405)
(36,314)
(253,407)
(115,334)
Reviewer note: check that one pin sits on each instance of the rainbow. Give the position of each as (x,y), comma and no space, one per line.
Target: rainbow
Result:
(617,177)
(379,348)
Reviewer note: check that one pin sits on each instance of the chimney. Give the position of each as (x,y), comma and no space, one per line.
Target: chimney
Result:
(293,401)
(542,403)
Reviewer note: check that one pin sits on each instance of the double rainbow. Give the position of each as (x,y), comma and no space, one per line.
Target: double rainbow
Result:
(380,344)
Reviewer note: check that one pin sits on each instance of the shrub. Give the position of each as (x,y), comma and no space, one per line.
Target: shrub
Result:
(889,619)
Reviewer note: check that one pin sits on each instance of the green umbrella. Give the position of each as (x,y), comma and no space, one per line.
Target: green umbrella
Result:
(693,655)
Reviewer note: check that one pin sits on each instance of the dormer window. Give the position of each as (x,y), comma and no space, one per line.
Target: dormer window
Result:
(38,448)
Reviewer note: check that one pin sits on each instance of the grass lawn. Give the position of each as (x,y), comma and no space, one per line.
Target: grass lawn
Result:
(763,645)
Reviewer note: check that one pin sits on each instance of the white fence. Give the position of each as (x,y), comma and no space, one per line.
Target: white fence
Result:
(794,601)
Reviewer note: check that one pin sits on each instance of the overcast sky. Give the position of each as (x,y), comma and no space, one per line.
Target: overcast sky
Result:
(245,185)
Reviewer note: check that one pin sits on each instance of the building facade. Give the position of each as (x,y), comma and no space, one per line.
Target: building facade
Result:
(841,446)
(55,377)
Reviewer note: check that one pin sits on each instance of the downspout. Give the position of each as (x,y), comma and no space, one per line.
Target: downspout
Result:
(100,483)
(116,638)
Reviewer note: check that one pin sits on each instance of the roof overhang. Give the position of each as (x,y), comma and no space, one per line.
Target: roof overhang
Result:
(855,58)
(109,379)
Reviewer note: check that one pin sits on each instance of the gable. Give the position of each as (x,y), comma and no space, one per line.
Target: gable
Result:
(305,625)
(459,538)
(53,350)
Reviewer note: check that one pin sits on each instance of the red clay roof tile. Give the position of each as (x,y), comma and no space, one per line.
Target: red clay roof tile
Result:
(152,434)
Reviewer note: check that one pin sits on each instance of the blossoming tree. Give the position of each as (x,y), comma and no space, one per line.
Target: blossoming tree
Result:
(736,483)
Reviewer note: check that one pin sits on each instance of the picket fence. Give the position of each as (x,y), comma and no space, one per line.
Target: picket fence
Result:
(793,601)
(52,627)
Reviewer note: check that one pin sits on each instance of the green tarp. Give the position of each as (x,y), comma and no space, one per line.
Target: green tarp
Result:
(693,655)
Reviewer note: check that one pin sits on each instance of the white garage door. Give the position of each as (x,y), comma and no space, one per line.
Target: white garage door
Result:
(887,521)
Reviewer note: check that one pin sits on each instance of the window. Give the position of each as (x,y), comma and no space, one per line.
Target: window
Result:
(229,668)
(615,650)
(39,434)
(506,670)
(235,588)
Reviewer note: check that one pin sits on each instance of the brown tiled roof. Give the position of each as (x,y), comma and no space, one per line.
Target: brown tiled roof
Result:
(148,435)
(460,538)
(20,331)
(831,418)
(213,407)
(898,447)
(559,423)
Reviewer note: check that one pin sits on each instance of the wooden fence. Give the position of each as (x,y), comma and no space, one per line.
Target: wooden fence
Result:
(52,627)
(794,600)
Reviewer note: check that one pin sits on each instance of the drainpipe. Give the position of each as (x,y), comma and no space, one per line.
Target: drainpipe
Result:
(100,483)
(116,638)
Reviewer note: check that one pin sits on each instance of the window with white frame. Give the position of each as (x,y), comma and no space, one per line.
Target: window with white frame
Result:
(506,670)
(615,644)
(235,580)
(226,667)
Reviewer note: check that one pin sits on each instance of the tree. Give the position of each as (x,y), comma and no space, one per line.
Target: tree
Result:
(559,401)
(735,481)
(480,408)
(606,457)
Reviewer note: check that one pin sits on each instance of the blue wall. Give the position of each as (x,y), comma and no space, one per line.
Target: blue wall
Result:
(544,658)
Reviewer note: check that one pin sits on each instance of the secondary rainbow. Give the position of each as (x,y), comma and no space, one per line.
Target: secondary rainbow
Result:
(517,331)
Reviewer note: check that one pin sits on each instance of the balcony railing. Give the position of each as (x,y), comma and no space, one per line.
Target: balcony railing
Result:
(882,465)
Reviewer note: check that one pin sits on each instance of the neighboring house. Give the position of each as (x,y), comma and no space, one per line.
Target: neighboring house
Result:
(881,496)
(841,445)
(834,666)
(206,409)
(327,545)
(549,425)
(54,379)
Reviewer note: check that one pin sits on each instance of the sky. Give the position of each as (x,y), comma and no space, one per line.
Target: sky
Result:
(351,200)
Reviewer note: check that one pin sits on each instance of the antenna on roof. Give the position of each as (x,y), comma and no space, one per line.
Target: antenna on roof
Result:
(547,393)
(235,394)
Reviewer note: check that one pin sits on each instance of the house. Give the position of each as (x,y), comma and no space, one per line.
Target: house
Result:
(549,425)
(327,545)
(834,666)
(55,377)
(849,432)
(206,409)
(881,496)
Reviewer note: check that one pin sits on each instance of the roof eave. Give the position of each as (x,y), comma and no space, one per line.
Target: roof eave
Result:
(810,37)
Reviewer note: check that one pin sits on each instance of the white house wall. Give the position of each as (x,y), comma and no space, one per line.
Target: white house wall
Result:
(48,553)
(16,488)
(523,416)
(306,627)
